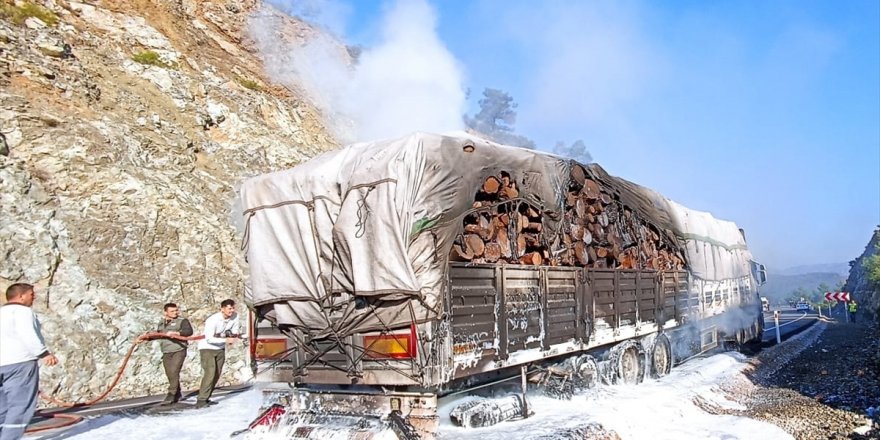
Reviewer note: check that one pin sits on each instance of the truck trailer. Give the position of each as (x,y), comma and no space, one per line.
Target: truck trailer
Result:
(385,275)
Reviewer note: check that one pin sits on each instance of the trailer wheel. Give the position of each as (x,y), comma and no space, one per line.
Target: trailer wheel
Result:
(661,357)
(587,372)
(629,362)
(759,330)
(743,336)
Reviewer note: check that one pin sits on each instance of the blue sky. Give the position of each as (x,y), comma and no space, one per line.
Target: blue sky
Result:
(764,113)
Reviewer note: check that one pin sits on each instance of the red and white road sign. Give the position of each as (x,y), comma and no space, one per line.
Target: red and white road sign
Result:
(837,296)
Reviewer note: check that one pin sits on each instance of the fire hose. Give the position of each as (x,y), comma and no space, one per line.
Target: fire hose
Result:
(71,419)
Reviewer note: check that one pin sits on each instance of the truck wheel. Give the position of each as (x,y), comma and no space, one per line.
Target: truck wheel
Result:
(742,336)
(759,330)
(661,357)
(629,362)
(587,372)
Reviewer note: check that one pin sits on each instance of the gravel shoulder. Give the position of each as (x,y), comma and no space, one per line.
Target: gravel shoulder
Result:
(822,384)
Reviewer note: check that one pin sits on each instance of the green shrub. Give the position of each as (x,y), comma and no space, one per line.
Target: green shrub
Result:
(18,14)
(151,58)
(872,266)
(249,84)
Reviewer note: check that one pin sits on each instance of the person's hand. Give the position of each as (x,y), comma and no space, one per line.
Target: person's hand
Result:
(50,360)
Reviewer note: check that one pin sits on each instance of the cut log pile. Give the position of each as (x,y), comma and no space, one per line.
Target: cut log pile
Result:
(601,232)
(596,230)
(502,228)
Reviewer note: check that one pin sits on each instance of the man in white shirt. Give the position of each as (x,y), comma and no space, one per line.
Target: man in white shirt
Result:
(221,329)
(21,344)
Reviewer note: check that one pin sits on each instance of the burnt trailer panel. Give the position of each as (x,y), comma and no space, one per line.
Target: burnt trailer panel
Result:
(500,317)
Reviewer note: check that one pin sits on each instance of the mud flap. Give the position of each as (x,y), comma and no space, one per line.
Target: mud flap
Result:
(402,427)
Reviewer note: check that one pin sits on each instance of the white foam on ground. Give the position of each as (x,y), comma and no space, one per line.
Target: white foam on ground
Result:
(656,410)
(215,422)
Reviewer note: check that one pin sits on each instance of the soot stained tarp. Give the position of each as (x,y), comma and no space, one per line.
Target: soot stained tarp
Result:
(376,221)
(358,238)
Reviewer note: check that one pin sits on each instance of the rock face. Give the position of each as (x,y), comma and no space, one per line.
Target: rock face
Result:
(126,126)
(866,294)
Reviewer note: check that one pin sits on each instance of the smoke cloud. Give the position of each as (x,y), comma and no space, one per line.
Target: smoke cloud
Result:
(408,81)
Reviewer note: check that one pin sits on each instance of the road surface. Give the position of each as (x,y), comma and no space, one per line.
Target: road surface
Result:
(791,322)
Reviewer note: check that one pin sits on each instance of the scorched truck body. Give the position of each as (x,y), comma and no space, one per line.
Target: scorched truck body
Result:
(385,275)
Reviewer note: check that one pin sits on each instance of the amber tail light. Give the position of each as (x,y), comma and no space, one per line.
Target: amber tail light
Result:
(270,348)
(391,345)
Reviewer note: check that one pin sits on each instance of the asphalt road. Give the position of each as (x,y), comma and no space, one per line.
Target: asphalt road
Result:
(791,322)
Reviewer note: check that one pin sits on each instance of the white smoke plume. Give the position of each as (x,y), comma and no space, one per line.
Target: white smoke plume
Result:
(408,81)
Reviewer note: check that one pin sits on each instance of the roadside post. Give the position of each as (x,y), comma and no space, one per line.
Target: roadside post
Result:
(776,320)
(819,306)
(525,388)
(839,297)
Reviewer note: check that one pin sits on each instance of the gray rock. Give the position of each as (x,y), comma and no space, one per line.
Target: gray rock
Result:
(52,50)
(34,23)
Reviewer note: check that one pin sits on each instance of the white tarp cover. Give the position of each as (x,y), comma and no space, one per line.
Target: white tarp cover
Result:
(374,221)
(716,249)
(358,238)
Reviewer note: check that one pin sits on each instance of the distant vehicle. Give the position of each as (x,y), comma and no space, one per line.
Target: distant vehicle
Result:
(802,307)
(765,304)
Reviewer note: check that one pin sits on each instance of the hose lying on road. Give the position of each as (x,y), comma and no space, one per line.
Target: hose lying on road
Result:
(71,419)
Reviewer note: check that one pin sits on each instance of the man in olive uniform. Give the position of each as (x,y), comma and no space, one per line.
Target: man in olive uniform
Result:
(173,350)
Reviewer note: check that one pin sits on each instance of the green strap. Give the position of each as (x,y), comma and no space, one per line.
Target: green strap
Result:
(422,224)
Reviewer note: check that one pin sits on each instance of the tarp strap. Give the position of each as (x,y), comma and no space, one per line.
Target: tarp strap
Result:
(363,213)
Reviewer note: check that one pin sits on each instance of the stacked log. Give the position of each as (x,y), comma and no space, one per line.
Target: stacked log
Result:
(597,230)
(501,227)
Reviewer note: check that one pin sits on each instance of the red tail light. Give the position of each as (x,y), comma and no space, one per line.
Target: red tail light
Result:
(392,345)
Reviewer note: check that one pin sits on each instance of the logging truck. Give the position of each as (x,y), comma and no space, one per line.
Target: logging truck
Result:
(388,274)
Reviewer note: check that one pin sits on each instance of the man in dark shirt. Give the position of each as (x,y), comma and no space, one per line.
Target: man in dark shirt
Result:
(173,350)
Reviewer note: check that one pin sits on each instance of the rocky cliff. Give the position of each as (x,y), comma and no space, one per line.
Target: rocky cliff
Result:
(866,294)
(126,125)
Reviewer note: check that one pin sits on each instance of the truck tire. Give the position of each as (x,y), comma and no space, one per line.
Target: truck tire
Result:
(661,357)
(628,363)
(587,372)
(742,336)
(759,330)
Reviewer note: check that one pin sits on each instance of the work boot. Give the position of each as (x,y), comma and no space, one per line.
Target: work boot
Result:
(170,399)
(202,403)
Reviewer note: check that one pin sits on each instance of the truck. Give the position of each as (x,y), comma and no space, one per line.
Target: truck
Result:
(386,275)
